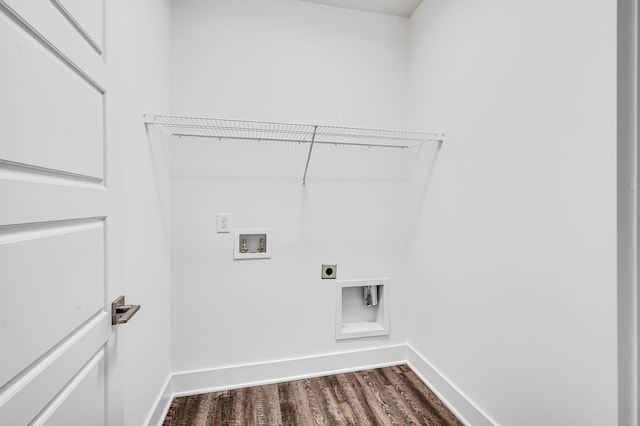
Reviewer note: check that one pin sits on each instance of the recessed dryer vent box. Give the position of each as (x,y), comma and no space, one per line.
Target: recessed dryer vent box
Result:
(252,244)
(360,313)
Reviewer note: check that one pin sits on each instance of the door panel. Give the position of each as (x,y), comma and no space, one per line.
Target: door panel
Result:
(54,272)
(66,112)
(82,400)
(50,27)
(24,397)
(57,245)
(88,17)
(37,197)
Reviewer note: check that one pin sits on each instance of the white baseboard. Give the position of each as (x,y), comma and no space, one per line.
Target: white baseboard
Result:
(237,376)
(453,398)
(161,407)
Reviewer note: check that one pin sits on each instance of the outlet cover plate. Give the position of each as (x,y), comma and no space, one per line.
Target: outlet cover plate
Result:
(223,224)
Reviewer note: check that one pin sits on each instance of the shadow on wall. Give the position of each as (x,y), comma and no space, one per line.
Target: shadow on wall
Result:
(159,152)
(419,182)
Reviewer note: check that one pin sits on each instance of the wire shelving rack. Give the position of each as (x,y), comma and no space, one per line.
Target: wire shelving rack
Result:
(312,134)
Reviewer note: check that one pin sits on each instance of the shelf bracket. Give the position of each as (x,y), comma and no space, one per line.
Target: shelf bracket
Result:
(306,168)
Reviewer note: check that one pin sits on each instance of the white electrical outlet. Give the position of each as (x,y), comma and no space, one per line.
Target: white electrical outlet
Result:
(223,223)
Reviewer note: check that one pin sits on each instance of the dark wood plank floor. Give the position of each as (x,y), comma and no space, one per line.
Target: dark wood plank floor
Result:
(383,396)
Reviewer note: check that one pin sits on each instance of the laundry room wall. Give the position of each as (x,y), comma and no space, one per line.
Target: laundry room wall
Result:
(513,267)
(138,59)
(286,61)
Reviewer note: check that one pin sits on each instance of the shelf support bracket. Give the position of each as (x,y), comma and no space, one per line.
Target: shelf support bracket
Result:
(306,168)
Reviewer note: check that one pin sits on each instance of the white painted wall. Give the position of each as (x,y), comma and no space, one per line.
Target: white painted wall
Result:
(512,256)
(138,54)
(514,262)
(289,61)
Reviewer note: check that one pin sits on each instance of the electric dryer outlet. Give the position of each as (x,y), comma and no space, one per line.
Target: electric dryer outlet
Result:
(329,272)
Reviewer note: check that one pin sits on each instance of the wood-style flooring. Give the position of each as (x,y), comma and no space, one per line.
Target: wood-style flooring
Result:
(383,396)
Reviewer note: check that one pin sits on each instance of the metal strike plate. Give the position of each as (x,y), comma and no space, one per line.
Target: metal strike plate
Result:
(121,313)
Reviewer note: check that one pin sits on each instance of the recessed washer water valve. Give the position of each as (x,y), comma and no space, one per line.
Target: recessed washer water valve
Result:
(329,272)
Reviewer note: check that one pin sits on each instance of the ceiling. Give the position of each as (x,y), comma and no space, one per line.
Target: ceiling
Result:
(389,7)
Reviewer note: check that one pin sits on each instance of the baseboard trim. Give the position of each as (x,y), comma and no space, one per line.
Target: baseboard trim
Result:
(451,396)
(163,402)
(238,376)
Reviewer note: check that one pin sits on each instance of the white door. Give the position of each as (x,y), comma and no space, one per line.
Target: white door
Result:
(58,251)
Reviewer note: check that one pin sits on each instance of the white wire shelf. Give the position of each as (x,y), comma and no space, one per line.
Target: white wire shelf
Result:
(311,134)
